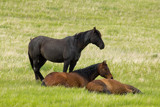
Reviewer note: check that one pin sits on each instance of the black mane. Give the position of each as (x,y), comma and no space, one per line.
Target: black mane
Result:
(82,39)
(81,34)
(89,73)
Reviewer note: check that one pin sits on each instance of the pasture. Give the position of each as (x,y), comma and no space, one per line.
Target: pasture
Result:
(130,30)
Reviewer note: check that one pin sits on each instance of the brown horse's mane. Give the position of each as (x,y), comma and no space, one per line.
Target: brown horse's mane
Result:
(89,73)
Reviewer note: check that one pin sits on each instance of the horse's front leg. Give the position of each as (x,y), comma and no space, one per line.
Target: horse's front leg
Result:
(66,64)
(72,65)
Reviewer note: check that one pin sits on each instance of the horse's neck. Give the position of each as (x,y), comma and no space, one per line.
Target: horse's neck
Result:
(94,75)
(82,40)
(89,73)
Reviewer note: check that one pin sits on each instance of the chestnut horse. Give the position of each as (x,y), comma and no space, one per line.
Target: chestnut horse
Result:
(110,86)
(67,50)
(77,78)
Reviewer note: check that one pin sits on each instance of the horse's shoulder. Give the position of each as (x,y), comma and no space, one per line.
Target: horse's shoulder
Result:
(73,74)
(62,74)
(69,39)
(69,44)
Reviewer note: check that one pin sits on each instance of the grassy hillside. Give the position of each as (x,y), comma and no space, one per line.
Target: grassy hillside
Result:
(129,28)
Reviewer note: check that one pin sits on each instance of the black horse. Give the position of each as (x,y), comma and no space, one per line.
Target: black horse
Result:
(67,50)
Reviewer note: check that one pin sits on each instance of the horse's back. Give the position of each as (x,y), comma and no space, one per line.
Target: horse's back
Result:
(120,88)
(65,79)
(50,48)
(56,50)
(115,87)
(55,78)
(38,40)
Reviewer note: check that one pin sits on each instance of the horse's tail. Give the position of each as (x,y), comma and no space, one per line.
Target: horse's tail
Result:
(43,84)
(134,90)
(30,59)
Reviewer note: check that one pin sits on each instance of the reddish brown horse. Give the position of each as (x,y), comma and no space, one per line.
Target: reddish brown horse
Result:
(110,86)
(78,78)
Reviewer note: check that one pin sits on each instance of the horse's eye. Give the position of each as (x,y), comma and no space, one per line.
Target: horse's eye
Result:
(104,69)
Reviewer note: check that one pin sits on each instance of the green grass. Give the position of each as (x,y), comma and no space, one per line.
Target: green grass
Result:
(130,30)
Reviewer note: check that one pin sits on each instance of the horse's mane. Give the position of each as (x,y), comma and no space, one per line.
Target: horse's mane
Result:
(81,34)
(87,72)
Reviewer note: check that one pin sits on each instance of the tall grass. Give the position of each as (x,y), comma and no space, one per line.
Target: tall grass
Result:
(129,28)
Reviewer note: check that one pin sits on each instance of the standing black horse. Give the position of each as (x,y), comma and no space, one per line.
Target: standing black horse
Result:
(67,50)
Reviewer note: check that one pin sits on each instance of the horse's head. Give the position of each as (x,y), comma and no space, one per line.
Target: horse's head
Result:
(104,70)
(96,38)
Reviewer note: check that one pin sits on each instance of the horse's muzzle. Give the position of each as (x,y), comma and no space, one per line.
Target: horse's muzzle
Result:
(102,46)
(108,76)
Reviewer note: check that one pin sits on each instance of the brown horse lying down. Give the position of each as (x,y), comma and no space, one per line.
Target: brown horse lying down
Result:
(77,78)
(110,86)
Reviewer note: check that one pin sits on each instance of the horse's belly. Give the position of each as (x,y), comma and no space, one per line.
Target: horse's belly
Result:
(56,59)
(53,55)
(53,51)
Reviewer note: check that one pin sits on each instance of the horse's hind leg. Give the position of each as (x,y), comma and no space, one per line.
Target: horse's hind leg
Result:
(37,64)
(31,62)
(105,90)
(36,69)
(30,59)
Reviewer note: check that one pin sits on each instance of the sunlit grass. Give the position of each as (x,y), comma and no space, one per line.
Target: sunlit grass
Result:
(130,30)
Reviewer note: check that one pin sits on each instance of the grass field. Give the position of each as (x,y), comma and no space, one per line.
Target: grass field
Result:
(129,28)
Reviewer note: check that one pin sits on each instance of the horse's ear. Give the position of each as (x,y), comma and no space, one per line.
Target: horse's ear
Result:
(94,29)
(104,62)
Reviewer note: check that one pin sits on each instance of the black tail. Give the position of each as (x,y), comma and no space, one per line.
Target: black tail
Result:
(43,84)
(30,59)
(134,90)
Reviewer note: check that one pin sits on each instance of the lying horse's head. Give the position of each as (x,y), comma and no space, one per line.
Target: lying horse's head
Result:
(104,70)
(96,38)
